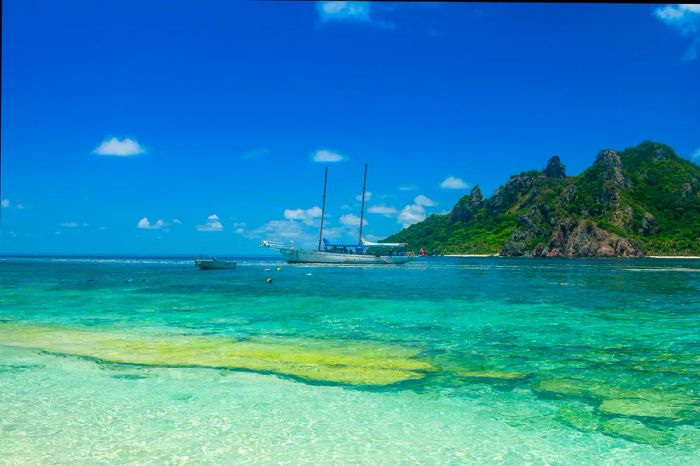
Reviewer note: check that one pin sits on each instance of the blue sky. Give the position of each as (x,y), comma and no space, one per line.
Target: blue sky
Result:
(157,127)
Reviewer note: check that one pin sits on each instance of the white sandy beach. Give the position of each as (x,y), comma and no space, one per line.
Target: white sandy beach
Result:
(673,257)
(472,255)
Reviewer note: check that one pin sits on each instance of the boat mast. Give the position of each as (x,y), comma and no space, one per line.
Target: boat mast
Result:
(323,208)
(362,209)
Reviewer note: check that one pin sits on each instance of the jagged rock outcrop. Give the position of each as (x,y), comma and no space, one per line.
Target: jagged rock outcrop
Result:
(554,168)
(530,227)
(608,168)
(465,208)
(476,199)
(509,193)
(588,240)
(580,239)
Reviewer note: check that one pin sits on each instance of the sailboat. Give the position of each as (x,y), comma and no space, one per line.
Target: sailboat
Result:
(364,252)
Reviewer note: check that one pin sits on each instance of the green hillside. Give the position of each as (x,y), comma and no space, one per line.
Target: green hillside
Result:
(643,200)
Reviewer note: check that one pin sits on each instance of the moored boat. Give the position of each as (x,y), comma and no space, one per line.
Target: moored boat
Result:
(212,263)
(364,252)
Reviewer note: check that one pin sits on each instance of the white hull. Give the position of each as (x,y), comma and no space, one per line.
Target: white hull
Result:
(214,264)
(304,256)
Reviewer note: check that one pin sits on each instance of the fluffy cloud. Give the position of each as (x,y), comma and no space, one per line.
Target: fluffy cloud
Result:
(682,15)
(344,11)
(119,148)
(452,182)
(424,201)
(324,155)
(358,12)
(414,213)
(368,196)
(351,220)
(307,216)
(177,221)
(274,229)
(685,19)
(213,224)
(410,214)
(5,204)
(387,211)
(408,187)
(145,224)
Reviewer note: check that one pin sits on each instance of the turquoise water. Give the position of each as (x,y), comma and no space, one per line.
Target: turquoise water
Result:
(443,361)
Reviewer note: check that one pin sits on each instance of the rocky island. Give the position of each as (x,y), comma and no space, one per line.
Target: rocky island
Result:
(644,200)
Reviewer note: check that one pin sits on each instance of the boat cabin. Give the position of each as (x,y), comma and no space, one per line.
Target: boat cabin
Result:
(366,248)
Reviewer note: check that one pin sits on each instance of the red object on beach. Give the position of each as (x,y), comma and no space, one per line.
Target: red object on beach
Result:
(422,252)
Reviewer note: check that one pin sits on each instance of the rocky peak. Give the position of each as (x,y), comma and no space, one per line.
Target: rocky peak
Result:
(610,166)
(507,194)
(467,206)
(476,199)
(612,181)
(554,168)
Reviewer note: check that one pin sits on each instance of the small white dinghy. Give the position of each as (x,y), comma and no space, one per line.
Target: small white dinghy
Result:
(212,263)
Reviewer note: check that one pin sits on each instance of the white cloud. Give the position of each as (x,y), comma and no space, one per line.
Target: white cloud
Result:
(351,220)
(177,221)
(408,187)
(452,182)
(387,211)
(5,203)
(70,225)
(324,155)
(424,201)
(307,216)
(102,228)
(678,13)
(344,11)
(685,18)
(410,214)
(414,213)
(285,229)
(368,196)
(696,154)
(145,224)
(358,12)
(120,148)
(20,206)
(213,224)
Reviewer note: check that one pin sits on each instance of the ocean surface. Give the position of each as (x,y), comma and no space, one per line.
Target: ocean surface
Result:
(442,361)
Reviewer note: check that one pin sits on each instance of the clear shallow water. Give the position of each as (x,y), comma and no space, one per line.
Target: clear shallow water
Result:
(443,361)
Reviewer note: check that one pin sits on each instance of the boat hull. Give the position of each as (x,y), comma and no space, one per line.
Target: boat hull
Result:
(212,264)
(303,256)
